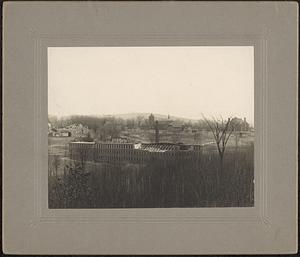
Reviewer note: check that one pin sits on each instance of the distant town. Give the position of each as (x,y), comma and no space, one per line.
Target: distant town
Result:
(150,134)
(136,129)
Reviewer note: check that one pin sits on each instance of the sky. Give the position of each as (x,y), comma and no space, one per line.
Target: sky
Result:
(180,81)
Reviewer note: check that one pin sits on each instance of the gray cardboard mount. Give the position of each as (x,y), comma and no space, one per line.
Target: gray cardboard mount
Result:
(29,227)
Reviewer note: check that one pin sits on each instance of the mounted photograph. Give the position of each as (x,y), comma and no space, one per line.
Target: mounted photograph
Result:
(151,127)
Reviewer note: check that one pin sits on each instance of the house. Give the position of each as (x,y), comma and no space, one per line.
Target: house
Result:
(176,126)
(59,133)
(164,124)
(65,133)
(240,124)
(78,130)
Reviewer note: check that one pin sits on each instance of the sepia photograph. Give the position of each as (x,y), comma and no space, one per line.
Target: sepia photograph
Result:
(151,127)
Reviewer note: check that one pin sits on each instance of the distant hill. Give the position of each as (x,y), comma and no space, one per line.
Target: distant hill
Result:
(134,115)
(146,115)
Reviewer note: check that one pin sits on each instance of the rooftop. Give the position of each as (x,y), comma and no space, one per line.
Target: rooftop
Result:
(153,147)
(83,142)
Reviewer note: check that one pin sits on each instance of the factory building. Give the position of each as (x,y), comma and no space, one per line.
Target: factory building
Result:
(132,153)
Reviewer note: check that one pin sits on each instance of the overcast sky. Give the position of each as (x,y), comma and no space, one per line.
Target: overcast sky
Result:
(180,81)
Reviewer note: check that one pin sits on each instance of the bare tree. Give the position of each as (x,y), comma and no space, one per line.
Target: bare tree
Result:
(56,163)
(53,164)
(222,131)
(237,140)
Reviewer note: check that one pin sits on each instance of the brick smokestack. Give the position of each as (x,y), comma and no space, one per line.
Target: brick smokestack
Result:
(156,132)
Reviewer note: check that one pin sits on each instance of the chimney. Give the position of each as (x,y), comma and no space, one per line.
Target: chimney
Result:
(156,132)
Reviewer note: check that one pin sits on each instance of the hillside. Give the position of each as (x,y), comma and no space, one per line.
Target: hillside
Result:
(146,115)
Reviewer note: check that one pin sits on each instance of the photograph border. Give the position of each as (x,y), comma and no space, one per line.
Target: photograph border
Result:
(269,227)
(258,213)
